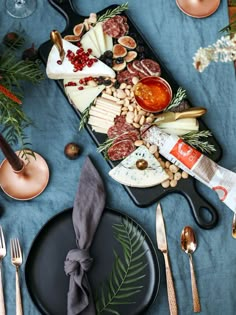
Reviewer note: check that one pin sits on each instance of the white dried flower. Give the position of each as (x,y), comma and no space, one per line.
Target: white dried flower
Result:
(223,50)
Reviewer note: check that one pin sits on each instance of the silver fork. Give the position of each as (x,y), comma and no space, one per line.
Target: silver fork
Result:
(2,255)
(16,259)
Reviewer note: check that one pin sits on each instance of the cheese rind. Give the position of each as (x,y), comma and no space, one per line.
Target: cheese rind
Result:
(127,173)
(65,70)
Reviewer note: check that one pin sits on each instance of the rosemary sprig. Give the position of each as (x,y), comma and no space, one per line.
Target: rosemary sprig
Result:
(103,147)
(111,13)
(85,117)
(194,138)
(177,99)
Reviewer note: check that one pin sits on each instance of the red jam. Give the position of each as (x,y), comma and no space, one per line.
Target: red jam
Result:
(153,94)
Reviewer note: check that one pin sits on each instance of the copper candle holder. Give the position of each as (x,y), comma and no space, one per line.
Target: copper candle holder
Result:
(198,8)
(22,178)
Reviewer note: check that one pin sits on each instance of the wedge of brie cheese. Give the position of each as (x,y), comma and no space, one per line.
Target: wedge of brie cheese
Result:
(65,70)
(127,173)
(81,99)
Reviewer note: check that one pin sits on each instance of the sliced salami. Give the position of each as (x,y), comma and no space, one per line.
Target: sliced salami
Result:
(116,26)
(120,150)
(138,66)
(131,69)
(125,77)
(151,66)
(117,130)
(132,135)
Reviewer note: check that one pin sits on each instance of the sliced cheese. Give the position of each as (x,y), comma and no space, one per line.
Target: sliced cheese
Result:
(100,130)
(99,122)
(127,173)
(100,37)
(65,70)
(81,99)
(183,123)
(89,40)
(178,132)
(108,42)
(101,115)
(110,109)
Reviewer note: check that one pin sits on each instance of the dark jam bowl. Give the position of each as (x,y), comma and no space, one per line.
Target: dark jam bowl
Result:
(153,94)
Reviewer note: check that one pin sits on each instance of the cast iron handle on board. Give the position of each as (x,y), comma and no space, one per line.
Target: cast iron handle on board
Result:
(198,205)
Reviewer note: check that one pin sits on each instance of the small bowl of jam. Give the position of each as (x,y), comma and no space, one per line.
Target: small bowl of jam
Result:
(153,94)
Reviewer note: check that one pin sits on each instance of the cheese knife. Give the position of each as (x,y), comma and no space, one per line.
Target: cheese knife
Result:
(192,112)
(162,246)
(57,40)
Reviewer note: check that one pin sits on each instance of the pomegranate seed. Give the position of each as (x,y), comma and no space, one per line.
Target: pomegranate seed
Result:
(89,50)
(80,88)
(59,62)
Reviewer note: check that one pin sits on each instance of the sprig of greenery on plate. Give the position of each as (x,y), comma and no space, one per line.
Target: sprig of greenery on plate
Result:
(112,12)
(127,271)
(195,139)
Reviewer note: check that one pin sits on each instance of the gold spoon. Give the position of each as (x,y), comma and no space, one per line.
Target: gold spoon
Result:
(189,245)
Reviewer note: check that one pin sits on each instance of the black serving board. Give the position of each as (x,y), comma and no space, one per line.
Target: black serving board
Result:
(141,197)
(47,282)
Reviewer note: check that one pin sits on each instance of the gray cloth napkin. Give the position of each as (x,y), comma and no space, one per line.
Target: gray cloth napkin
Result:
(88,208)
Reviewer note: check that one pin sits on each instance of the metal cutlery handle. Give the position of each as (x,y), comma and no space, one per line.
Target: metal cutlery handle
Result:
(2,303)
(191,113)
(196,300)
(170,286)
(234,226)
(19,308)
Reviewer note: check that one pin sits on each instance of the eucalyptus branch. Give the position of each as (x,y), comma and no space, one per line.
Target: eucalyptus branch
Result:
(112,12)
(195,140)
(177,99)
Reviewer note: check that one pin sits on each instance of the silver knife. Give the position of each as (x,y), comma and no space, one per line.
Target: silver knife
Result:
(162,246)
(192,112)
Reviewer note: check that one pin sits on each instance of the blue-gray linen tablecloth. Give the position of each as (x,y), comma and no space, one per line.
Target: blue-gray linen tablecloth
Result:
(175,37)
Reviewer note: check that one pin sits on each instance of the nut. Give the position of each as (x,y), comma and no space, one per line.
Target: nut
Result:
(138,143)
(184,175)
(153,149)
(173,168)
(165,184)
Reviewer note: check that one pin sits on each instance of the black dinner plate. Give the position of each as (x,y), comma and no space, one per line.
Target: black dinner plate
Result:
(45,277)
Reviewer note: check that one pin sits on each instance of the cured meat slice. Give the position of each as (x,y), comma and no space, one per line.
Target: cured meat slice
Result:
(116,26)
(128,135)
(125,77)
(138,66)
(120,120)
(151,66)
(132,70)
(120,150)
(117,130)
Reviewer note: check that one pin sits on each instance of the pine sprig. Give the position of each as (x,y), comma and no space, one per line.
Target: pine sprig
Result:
(112,12)
(177,99)
(103,147)
(124,281)
(195,140)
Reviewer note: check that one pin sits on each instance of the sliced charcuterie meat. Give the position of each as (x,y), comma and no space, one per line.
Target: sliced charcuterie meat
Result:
(132,70)
(125,77)
(118,129)
(120,150)
(138,66)
(116,26)
(151,66)
(128,135)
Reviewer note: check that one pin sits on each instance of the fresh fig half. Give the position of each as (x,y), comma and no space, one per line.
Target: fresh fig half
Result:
(79,29)
(72,38)
(131,55)
(127,41)
(119,51)
(119,66)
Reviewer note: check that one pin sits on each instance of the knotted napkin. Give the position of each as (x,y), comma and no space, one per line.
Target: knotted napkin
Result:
(88,208)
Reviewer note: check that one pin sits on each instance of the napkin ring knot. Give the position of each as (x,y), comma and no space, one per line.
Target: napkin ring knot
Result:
(77,259)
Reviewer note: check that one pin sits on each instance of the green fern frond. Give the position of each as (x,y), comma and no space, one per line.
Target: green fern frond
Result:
(124,281)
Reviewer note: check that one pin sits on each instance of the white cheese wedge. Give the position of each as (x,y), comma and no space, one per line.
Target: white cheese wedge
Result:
(65,70)
(108,42)
(127,173)
(81,99)
(178,132)
(89,40)
(100,37)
